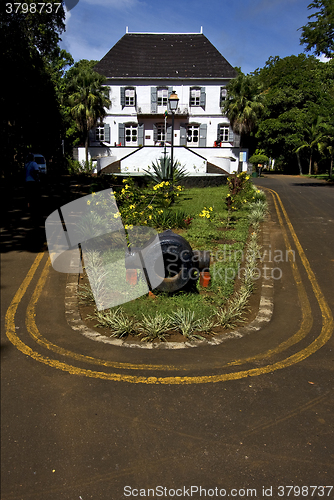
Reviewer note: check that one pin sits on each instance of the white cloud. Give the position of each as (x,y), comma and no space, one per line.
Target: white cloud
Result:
(323,58)
(67,16)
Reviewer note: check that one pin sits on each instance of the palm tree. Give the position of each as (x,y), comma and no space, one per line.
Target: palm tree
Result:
(243,106)
(327,143)
(88,99)
(313,140)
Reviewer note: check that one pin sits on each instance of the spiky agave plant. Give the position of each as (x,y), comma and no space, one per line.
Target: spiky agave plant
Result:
(118,322)
(164,171)
(258,211)
(154,327)
(233,313)
(185,322)
(98,277)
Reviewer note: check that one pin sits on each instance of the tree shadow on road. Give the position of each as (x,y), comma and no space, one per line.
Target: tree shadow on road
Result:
(313,184)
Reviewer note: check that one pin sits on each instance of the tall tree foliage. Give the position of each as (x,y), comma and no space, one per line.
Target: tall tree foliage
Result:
(318,34)
(243,106)
(297,90)
(313,140)
(31,118)
(87,98)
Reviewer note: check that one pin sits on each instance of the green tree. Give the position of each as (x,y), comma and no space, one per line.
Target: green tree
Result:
(243,105)
(87,98)
(258,159)
(31,117)
(318,35)
(313,140)
(297,89)
(327,143)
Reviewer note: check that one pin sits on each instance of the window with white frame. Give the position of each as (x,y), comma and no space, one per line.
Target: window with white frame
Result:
(130,97)
(99,132)
(161,132)
(223,95)
(195,97)
(131,135)
(224,132)
(192,135)
(162,97)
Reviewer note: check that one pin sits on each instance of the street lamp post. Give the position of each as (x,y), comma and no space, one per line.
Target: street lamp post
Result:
(173,104)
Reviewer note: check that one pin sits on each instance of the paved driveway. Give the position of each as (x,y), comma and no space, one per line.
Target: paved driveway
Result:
(251,417)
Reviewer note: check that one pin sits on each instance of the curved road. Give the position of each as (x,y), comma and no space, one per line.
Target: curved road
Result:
(251,417)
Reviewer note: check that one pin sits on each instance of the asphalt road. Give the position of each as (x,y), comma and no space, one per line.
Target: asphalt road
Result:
(250,418)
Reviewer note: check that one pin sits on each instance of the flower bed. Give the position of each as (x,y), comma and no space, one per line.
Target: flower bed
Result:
(225,221)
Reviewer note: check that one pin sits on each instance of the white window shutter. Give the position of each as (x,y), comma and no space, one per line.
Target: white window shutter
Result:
(121,134)
(153,99)
(231,135)
(122,97)
(155,132)
(218,132)
(169,133)
(107,132)
(183,134)
(202,135)
(203,97)
(140,134)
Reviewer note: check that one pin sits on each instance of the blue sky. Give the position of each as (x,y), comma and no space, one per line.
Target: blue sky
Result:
(246,32)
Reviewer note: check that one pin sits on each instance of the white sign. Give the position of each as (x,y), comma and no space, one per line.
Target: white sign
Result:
(242,156)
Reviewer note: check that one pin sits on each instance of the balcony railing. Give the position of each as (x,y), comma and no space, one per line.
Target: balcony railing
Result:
(182,110)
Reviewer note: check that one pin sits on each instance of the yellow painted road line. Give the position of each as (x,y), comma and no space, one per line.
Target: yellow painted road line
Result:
(324,336)
(36,335)
(307,318)
(325,310)
(10,314)
(302,332)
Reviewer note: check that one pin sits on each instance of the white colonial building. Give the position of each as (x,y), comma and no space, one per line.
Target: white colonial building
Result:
(141,71)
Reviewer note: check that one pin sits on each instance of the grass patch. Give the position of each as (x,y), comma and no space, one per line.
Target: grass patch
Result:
(325,177)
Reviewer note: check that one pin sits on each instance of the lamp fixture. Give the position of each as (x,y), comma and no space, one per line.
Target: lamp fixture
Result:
(173,100)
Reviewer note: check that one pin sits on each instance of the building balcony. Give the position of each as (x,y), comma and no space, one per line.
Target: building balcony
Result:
(146,112)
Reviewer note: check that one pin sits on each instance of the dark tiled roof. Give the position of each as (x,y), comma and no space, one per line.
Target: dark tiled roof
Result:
(141,55)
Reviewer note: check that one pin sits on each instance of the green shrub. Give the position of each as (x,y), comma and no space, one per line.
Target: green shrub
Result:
(83,167)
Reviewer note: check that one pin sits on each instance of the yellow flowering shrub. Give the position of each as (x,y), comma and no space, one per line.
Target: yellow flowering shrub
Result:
(206,212)
(241,191)
(147,206)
